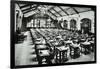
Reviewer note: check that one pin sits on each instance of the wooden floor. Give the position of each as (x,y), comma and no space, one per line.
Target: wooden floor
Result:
(83,58)
(25,53)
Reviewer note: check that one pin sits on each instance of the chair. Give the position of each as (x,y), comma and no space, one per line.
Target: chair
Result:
(75,51)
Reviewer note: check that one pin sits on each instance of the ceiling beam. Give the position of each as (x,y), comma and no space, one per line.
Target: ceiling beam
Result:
(29,8)
(31,15)
(50,16)
(63,10)
(29,11)
(46,14)
(25,5)
(57,12)
(52,13)
(85,11)
(75,10)
(44,6)
(82,12)
(51,7)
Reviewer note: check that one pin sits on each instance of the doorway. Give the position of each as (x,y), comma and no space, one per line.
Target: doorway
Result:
(86,25)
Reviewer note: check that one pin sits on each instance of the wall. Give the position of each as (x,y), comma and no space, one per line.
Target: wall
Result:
(78,17)
(20,16)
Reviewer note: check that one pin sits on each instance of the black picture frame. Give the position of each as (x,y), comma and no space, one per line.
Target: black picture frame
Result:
(12,37)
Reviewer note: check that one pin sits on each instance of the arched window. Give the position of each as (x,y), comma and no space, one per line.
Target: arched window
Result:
(73,24)
(86,25)
(65,24)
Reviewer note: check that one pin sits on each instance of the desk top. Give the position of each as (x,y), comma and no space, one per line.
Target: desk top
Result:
(86,43)
(41,46)
(91,41)
(62,48)
(75,45)
(58,37)
(68,42)
(40,42)
(55,43)
(38,39)
(82,39)
(51,40)
(44,53)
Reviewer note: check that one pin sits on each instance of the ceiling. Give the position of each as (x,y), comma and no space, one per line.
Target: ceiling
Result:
(52,11)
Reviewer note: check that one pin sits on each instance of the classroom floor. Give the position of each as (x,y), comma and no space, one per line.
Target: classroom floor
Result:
(25,54)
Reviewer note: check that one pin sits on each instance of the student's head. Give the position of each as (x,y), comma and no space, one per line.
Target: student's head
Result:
(74,42)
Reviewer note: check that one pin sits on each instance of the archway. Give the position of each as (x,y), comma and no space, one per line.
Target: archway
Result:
(63,24)
(86,25)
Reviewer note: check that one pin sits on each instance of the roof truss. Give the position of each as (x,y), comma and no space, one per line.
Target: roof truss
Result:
(26,5)
(57,12)
(63,10)
(31,7)
(52,13)
(75,10)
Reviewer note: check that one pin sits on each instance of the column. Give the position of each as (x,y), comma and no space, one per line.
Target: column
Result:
(78,25)
(92,25)
(68,26)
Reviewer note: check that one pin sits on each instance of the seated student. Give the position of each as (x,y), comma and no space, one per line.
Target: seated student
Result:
(75,43)
(69,40)
(75,49)
(92,38)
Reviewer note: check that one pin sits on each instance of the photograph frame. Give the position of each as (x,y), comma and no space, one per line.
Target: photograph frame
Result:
(12,37)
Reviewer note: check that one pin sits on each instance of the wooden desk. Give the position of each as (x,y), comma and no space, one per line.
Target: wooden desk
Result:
(62,48)
(44,54)
(85,47)
(75,51)
(92,45)
(61,54)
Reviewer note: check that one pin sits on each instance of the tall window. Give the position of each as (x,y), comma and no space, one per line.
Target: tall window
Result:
(73,24)
(86,25)
(65,24)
